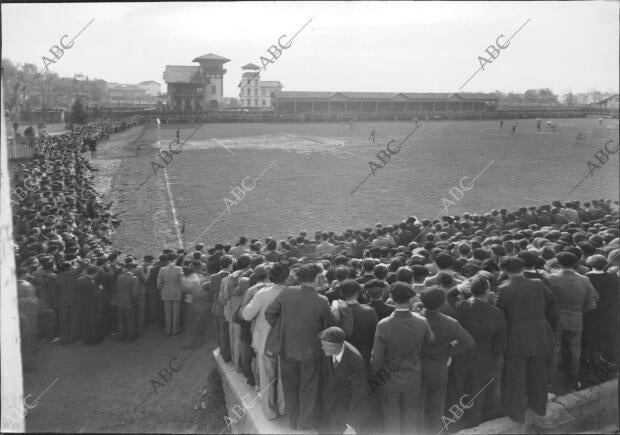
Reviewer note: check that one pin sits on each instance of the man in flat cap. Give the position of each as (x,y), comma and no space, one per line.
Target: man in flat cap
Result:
(396,350)
(575,296)
(344,391)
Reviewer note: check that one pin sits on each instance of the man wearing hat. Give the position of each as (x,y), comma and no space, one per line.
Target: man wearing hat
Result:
(169,282)
(272,399)
(575,296)
(364,319)
(92,310)
(396,349)
(375,289)
(303,313)
(142,299)
(531,314)
(344,391)
(450,339)
(124,300)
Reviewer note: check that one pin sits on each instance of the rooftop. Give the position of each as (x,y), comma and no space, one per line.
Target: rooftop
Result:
(270,84)
(251,66)
(211,56)
(183,74)
(387,96)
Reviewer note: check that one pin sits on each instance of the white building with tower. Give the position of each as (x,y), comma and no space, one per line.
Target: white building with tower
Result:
(256,94)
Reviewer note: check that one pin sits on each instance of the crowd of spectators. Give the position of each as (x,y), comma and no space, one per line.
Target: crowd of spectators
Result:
(378,329)
(60,224)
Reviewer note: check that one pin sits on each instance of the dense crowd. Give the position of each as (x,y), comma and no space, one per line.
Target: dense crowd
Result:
(60,224)
(377,329)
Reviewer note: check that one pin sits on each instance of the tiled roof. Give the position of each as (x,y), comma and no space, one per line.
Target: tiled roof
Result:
(210,56)
(270,84)
(250,66)
(183,74)
(148,82)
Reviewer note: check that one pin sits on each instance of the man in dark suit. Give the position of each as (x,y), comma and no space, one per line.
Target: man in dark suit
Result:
(92,312)
(530,309)
(435,357)
(375,289)
(126,291)
(364,319)
(213,287)
(303,313)
(344,389)
(396,351)
(477,366)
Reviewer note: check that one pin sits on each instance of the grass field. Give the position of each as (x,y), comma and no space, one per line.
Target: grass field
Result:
(309,171)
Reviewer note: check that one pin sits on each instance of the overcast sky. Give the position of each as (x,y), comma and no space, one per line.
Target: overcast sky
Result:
(348,46)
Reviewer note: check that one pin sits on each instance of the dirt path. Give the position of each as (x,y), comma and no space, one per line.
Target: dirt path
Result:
(119,386)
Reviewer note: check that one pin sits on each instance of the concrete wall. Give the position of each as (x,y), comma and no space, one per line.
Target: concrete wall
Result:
(592,408)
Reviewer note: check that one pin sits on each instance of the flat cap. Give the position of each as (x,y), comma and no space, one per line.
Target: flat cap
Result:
(333,334)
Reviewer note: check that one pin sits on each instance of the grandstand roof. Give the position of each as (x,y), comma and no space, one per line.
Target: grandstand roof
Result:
(183,74)
(386,96)
(211,56)
(250,66)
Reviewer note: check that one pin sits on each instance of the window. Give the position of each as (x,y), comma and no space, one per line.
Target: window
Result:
(255,91)
(264,104)
(256,102)
(249,91)
(264,91)
(213,89)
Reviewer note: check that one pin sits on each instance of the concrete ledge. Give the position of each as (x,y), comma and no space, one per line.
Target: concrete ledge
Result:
(245,415)
(594,407)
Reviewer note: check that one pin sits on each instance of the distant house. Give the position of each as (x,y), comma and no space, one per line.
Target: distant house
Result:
(127,95)
(151,88)
(610,102)
(255,93)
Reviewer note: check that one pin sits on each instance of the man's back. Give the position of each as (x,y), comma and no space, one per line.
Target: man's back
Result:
(525,303)
(445,329)
(570,289)
(397,345)
(575,295)
(382,309)
(303,313)
(169,281)
(364,325)
(487,326)
(126,290)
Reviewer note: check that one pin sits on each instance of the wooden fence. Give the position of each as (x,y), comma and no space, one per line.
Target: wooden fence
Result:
(18,150)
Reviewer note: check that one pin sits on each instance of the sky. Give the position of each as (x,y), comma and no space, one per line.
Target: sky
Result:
(347,46)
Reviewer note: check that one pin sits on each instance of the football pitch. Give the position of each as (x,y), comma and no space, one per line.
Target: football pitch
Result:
(263,180)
